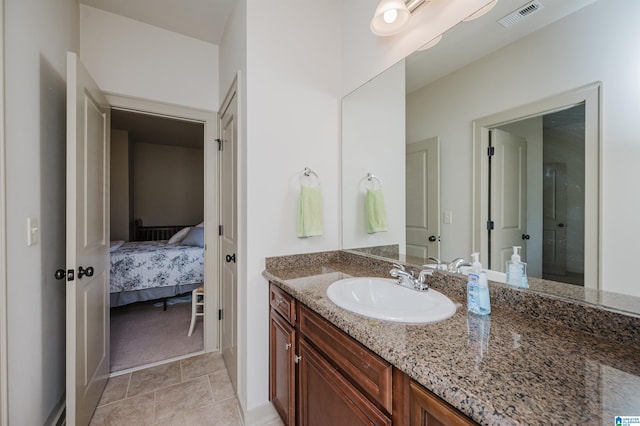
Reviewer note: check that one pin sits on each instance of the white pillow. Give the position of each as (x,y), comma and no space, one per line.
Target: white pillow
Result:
(179,236)
(195,237)
(200,225)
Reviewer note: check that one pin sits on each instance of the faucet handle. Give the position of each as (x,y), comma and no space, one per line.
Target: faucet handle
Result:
(398,266)
(435,259)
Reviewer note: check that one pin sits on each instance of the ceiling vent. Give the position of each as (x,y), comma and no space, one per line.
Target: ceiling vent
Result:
(518,15)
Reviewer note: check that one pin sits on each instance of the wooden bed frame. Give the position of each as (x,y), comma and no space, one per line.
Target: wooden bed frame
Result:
(153,233)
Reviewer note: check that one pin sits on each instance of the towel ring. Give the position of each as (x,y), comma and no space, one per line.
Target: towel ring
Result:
(371,179)
(309,173)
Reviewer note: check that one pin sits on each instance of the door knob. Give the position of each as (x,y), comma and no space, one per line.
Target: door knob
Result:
(525,236)
(432,238)
(561,225)
(60,274)
(231,258)
(82,272)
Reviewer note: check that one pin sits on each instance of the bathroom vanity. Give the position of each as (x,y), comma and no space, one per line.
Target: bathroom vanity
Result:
(535,360)
(338,379)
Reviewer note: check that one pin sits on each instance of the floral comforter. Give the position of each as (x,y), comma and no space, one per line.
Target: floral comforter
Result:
(150,264)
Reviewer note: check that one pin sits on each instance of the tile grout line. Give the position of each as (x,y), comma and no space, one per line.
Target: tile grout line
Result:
(126,393)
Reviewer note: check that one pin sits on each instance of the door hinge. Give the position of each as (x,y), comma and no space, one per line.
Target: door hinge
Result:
(219,144)
(491,151)
(490,225)
(219,314)
(219,230)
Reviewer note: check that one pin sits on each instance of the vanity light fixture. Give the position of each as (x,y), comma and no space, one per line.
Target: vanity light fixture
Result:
(392,16)
(478,13)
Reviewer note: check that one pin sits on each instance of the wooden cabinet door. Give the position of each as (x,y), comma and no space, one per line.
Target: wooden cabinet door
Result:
(282,373)
(429,410)
(327,398)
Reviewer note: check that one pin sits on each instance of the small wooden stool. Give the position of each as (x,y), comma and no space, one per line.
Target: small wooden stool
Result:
(197,299)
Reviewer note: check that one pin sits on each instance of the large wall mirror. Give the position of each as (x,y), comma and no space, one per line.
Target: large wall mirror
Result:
(550,97)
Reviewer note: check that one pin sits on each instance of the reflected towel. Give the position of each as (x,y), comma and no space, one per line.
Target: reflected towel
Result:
(310,212)
(375,211)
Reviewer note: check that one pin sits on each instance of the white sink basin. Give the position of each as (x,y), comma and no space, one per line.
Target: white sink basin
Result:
(383,298)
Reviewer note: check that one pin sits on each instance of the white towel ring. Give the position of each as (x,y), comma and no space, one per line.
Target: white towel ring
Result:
(371,181)
(308,173)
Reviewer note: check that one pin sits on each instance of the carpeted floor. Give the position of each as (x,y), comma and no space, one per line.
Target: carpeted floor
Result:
(142,333)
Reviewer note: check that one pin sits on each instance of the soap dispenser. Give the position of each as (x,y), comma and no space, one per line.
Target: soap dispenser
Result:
(517,270)
(477,288)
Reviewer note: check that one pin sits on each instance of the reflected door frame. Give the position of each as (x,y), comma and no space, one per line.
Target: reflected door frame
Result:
(591,96)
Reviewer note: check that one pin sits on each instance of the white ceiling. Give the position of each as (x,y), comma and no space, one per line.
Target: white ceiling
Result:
(470,41)
(201,19)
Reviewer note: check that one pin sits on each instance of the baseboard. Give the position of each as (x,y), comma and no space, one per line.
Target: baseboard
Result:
(261,415)
(57,416)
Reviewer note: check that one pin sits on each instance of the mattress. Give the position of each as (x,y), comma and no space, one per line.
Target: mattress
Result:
(155,265)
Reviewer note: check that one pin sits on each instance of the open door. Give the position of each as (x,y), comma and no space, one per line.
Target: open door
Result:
(228,235)
(508,199)
(88,123)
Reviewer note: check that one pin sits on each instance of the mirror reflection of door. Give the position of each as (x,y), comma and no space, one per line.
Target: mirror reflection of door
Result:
(508,197)
(552,236)
(564,195)
(554,208)
(423,198)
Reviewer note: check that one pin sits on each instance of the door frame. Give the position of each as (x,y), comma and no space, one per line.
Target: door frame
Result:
(4,406)
(591,95)
(211,196)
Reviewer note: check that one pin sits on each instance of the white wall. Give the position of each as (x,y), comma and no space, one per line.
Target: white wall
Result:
(131,58)
(585,52)
(293,121)
(168,184)
(365,55)
(119,189)
(373,140)
(37,35)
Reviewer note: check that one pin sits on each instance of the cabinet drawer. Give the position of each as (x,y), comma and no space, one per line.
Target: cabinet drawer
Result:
(282,303)
(370,373)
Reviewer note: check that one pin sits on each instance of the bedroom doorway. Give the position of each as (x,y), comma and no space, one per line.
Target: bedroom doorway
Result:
(160,171)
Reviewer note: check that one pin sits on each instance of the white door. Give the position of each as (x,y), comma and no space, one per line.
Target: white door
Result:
(554,207)
(423,198)
(228,243)
(87,318)
(508,201)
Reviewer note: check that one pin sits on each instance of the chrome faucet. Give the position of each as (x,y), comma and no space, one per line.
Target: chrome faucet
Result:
(439,265)
(406,279)
(456,263)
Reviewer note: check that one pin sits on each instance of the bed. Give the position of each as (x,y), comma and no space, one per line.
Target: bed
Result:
(168,263)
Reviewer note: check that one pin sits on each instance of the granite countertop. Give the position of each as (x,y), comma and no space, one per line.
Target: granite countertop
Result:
(508,368)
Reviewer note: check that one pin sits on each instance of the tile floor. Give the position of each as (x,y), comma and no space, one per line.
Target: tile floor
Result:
(193,391)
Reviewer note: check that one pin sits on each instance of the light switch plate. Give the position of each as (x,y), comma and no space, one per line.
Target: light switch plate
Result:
(447,217)
(32,231)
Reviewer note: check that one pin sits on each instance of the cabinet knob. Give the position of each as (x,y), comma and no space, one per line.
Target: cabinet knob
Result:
(279,302)
(287,346)
(297,359)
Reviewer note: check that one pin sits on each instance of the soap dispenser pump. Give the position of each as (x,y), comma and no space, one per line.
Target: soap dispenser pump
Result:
(517,270)
(477,288)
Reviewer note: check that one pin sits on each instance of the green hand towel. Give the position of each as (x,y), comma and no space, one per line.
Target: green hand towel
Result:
(310,212)
(375,212)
